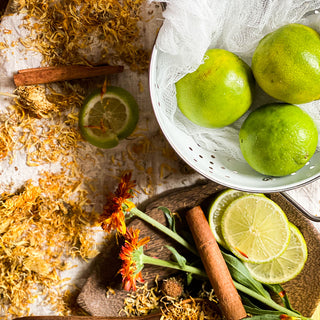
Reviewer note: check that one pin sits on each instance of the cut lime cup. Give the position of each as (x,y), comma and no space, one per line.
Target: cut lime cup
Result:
(255,229)
(287,266)
(105,118)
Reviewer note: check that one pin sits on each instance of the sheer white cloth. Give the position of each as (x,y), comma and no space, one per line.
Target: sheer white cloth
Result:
(192,26)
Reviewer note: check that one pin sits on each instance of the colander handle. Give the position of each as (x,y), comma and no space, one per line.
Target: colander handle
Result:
(300,207)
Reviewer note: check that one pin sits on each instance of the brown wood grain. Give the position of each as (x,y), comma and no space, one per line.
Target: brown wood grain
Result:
(303,291)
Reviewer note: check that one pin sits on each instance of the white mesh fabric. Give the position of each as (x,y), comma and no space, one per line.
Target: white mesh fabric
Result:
(192,26)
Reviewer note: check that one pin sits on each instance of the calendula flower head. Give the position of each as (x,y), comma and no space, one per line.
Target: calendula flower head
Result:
(131,255)
(118,204)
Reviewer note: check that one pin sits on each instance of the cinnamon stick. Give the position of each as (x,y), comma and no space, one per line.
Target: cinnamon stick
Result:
(61,73)
(215,266)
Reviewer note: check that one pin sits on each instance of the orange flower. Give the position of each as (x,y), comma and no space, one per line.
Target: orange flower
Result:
(125,188)
(129,254)
(117,205)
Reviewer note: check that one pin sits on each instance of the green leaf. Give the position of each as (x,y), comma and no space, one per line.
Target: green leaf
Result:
(252,308)
(268,317)
(170,218)
(241,274)
(189,278)
(181,260)
(279,290)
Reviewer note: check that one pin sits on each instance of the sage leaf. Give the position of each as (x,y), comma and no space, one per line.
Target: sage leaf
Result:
(279,290)
(241,274)
(181,260)
(270,317)
(170,218)
(253,309)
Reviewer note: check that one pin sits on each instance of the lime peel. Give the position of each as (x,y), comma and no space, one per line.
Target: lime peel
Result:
(216,210)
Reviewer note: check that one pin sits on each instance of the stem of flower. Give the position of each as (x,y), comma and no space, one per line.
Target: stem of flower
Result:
(269,302)
(266,301)
(173,265)
(164,229)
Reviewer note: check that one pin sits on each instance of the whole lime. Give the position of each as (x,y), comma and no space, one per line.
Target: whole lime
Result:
(286,64)
(278,139)
(219,92)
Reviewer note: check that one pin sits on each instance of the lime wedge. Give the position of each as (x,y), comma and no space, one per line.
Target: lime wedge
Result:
(217,209)
(106,118)
(255,229)
(287,266)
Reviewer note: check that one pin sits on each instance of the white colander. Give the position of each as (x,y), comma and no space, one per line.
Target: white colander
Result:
(219,166)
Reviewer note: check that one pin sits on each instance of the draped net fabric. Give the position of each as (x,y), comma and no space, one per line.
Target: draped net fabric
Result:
(191,27)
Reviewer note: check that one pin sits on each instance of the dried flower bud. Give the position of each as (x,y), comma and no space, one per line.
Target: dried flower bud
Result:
(172,287)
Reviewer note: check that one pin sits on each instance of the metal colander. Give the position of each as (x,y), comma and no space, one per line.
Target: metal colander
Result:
(218,166)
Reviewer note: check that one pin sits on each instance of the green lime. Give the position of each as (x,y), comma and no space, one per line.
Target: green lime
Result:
(255,229)
(106,118)
(278,139)
(286,64)
(287,266)
(217,209)
(219,92)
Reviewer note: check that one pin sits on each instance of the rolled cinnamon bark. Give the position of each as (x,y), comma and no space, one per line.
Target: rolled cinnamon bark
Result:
(61,73)
(215,266)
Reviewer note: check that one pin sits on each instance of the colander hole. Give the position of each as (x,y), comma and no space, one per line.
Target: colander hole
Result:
(195,160)
(211,162)
(312,167)
(190,149)
(210,168)
(267,179)
(223,168)
(212,156)
(228,177)
(234,171)
(200,156)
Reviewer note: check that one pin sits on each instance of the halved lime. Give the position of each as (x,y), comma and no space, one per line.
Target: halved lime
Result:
(106,118)
(216,210)
(287,266)
(255,229)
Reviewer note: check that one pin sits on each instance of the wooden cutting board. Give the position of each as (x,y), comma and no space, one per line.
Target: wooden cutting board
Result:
(303,291)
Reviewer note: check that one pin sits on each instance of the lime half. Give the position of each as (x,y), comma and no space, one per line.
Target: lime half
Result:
(287,266)
(255,229)
(217,209)
(106,118)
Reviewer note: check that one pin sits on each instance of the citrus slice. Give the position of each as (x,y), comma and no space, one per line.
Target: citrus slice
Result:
(217,209)
(255,229)
(106,118)
(287,266)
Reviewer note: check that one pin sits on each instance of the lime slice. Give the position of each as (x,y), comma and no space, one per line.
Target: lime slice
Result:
(255,229)
(106,118)
(287,266)
(217,209)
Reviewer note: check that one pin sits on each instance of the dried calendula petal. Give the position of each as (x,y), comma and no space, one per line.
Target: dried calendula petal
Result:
(36,237)
(34,99)
(64,30)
